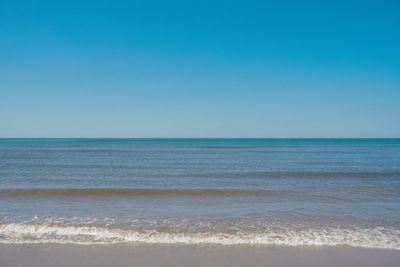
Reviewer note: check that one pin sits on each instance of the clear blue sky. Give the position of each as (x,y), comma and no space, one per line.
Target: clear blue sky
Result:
(199,68)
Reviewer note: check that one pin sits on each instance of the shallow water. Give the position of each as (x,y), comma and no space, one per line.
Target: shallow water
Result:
(295,192)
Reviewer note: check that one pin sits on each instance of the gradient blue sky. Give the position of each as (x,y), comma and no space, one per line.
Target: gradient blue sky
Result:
(199,68)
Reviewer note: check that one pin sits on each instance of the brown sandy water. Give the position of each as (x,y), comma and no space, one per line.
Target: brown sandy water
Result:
(175,255)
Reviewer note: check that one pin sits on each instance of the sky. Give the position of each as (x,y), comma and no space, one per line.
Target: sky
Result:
(205,68)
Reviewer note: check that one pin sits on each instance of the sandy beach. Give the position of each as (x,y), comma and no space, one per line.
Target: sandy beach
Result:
(167,255)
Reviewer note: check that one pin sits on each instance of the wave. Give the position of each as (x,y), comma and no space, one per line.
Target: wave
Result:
(24,233)
(244,146)
(305,174)
(131,192)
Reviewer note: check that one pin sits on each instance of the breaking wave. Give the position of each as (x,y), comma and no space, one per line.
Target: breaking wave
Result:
(28,233)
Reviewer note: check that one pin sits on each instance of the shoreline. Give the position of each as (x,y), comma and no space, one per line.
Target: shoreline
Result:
(191,255)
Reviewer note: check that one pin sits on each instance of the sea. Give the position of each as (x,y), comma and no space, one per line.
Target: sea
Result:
(224,192)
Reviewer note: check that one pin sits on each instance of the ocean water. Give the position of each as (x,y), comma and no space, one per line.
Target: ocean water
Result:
(285,192)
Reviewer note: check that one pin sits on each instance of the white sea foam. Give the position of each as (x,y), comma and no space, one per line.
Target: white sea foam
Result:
(23,233)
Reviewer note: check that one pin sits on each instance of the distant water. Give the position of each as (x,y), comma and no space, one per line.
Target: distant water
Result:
(293,192)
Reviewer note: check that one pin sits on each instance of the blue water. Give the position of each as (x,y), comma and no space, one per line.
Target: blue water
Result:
(295,192)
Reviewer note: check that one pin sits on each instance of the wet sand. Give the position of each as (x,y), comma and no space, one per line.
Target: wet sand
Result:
(180,255)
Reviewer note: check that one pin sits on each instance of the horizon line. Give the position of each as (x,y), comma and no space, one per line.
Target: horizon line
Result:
(199,138)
